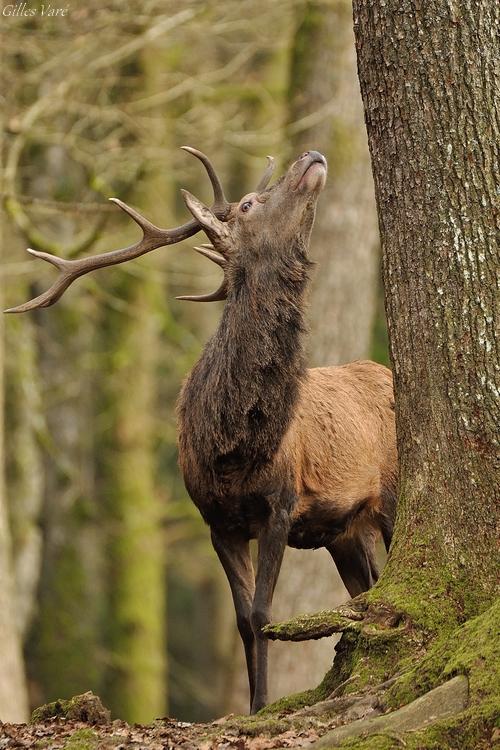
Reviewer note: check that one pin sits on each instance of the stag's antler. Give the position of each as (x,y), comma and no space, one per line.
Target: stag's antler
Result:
(264,180)
(220,293)
(153,237)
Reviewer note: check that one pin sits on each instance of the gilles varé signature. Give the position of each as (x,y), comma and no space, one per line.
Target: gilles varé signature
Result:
(24,10)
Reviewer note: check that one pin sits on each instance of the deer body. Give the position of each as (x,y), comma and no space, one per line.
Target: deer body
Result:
(340,413)
(269,449)
(251,416)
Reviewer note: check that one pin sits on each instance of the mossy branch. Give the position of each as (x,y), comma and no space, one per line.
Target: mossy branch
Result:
(354,615)
(311,627)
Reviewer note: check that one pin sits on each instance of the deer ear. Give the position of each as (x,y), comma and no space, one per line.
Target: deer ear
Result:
(215,229)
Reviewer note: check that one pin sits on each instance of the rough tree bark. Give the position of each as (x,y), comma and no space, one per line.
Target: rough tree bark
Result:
(432,120)
(325,112)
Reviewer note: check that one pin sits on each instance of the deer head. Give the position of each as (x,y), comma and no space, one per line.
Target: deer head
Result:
(264,221)
(268,217)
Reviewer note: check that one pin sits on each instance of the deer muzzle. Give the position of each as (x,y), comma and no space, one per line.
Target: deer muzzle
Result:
(310,169)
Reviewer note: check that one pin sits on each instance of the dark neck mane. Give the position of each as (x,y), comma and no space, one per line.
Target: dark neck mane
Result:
(238,401)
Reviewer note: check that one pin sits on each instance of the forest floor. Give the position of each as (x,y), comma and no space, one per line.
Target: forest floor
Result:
(83,723)
(445,696)
(64,734)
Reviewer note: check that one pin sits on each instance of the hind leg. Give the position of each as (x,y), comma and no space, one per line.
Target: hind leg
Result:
(354,557)
(386,529)
(386,516)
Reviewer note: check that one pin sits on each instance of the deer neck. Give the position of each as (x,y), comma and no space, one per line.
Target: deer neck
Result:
(239,399)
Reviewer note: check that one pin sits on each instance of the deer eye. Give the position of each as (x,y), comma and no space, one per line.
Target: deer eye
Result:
(246,206)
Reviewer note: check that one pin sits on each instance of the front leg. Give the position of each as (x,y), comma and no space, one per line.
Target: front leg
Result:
(234,553)
(272,542)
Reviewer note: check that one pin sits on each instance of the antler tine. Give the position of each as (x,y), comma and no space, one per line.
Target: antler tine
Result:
(221,293)
(153,238)
(220,200)
(218,296)
(209,252)
(139,219)
(56,290)
(264,180)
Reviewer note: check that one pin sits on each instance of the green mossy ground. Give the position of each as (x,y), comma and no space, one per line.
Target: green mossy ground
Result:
(473,650)
(376,644)
(82,739)
(441,736)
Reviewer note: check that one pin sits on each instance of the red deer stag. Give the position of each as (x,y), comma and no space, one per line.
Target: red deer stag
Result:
(269,449)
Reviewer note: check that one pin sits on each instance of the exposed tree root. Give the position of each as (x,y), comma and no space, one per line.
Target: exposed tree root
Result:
(320,624)
(350,616)
(441,703)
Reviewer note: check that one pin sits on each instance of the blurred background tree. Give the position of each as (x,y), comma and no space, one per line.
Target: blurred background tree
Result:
(116,587)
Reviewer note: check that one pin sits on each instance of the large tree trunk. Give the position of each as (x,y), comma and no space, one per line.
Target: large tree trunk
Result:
(13,695)
(326,113)
(433,128)
(136,555)
(24,423)
(63,646)
(432,122)
(138,686)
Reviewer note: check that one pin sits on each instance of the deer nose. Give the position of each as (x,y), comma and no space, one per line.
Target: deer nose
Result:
(313,156)
(316,156)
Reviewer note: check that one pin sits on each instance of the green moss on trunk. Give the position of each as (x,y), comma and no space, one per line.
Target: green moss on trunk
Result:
(136,680)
